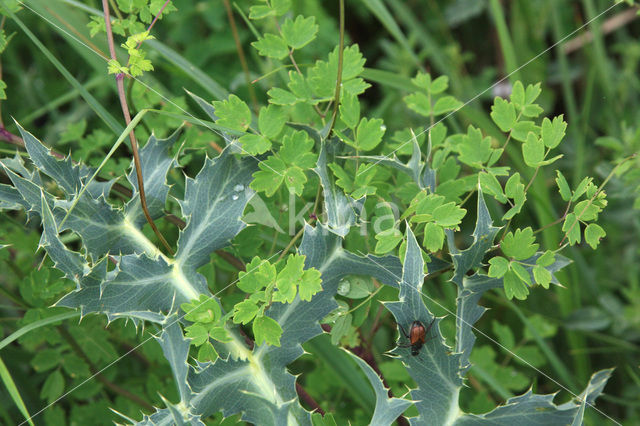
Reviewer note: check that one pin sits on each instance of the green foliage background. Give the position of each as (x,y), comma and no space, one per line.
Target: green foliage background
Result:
(591,323)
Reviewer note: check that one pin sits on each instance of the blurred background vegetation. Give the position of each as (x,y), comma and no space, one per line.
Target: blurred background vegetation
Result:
(591,76)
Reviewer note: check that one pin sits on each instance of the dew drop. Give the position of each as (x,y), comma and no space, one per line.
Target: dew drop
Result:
(238,188)
(344,286)
(234,197)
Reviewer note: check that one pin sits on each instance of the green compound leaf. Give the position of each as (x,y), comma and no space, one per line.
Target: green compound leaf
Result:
(369,134)
(533,150)
(474,150)
(266,330)
(553,131)
(233,113)
(593,233)
(270,176)
(271,46)
(521,245)
(503,113)
(271,121)
(300,32)
(254,144)
(387,409)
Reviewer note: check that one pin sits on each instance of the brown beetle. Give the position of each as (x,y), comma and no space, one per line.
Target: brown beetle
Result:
(417,336)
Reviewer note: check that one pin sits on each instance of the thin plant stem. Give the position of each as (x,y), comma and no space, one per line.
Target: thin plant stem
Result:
(132,136)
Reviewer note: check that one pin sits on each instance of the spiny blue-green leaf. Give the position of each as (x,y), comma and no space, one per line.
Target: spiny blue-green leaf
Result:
(483,236)
(63,172)
(300,322)
(10,198)
(414,167)
(176,351)
(387,409)
(69,262)
(212,205)
(155,164)
(532,409)
(142,288)
(436,370)
(339,207)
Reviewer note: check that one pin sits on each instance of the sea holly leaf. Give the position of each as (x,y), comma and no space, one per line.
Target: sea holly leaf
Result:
(155,164)
(446,104)
(213,204)
(521,245)
(553,131)
(387,409)
(436,368)
(532,409)
(254,144)
(66,175)
(271,121)
(300,32)
(299,322)
(533,150)
(503,113)
(271,46)
(483,236)
(339,207)
(593,233)
(474,149)
(369,134)
(270,176)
